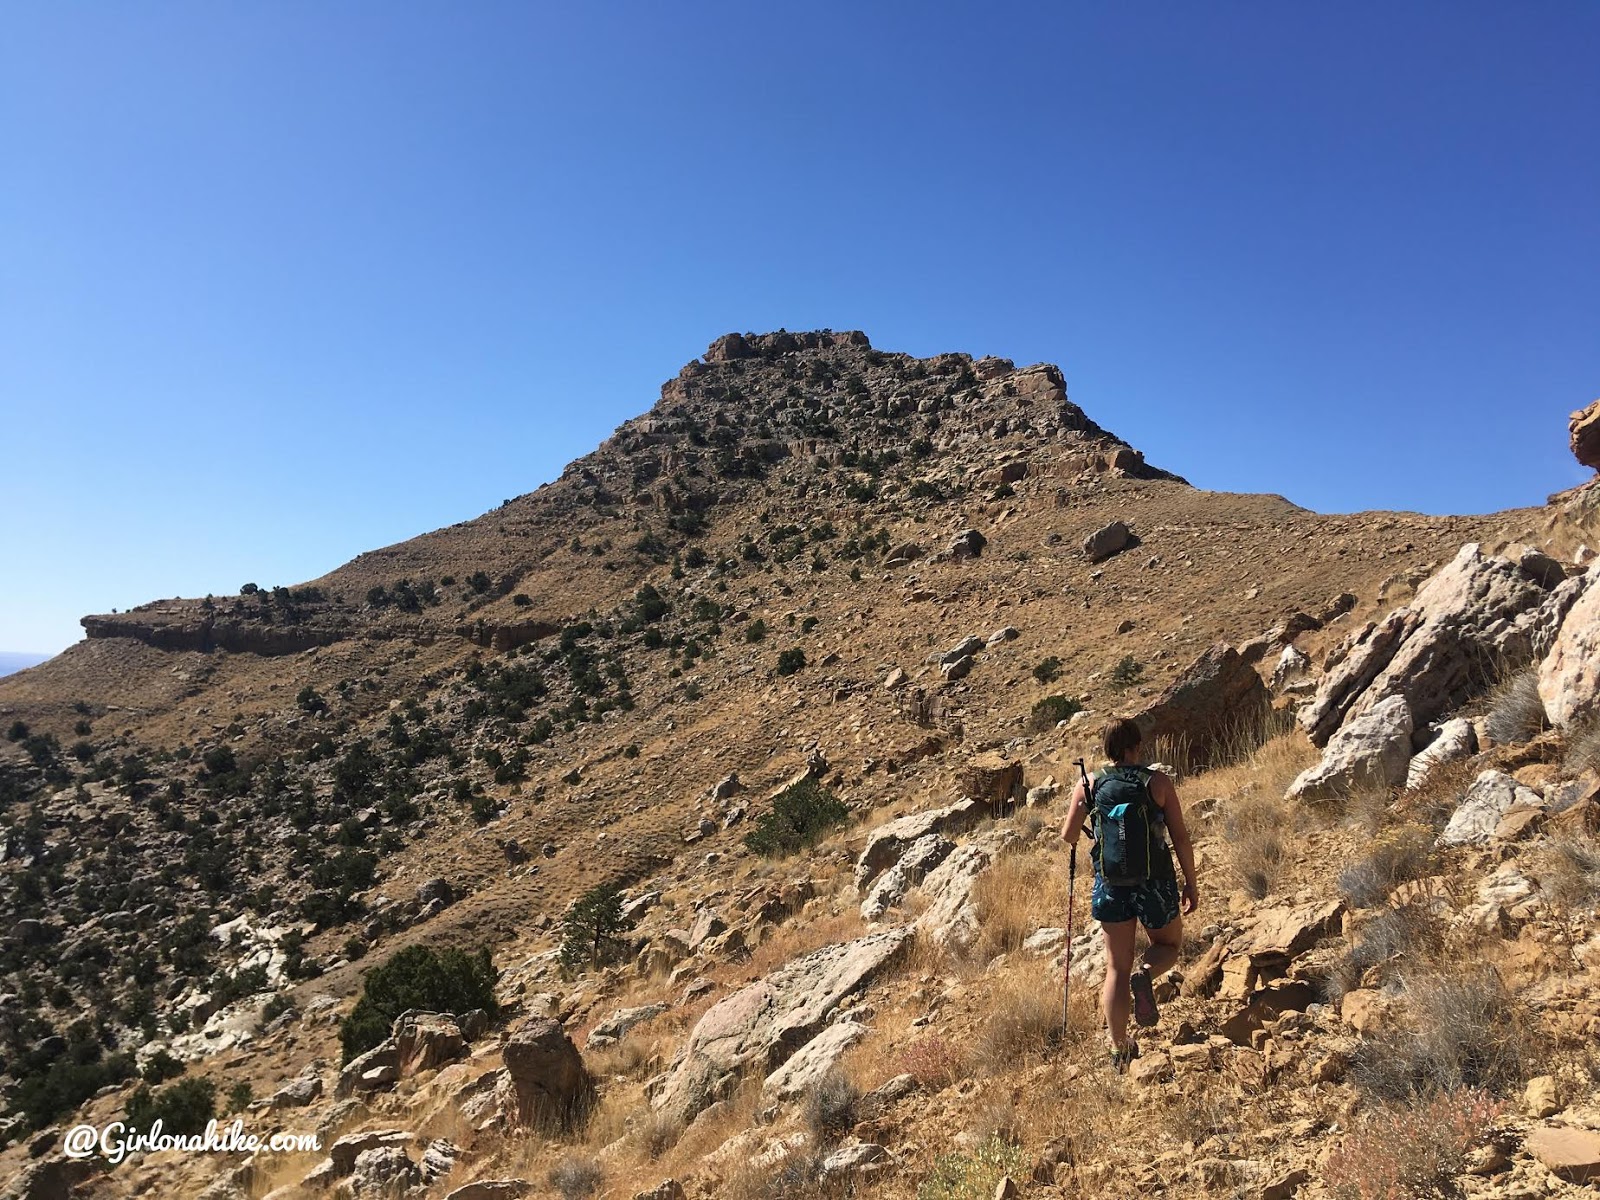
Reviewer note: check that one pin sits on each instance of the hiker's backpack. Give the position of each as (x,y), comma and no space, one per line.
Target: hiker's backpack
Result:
(1127,825)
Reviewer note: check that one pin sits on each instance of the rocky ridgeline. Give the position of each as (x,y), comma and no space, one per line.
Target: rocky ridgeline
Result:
(755,405)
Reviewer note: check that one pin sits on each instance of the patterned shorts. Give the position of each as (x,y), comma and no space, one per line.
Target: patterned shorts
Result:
(1154,903)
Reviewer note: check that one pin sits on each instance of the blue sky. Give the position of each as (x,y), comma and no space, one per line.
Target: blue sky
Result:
(282,283)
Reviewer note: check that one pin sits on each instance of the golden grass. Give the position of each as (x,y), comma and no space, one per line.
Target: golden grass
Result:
(1270,768)
(1006,897)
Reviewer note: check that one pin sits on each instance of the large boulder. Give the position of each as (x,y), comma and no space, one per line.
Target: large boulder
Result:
(1583,429)
(889,841)
(763,1024)
(375,1070)
(1106,541)
(1567,1152)
(1475,613)
(1217,699)
(427,1041)
(991,778)
(1373,750)
(1569,677)
(553,1088)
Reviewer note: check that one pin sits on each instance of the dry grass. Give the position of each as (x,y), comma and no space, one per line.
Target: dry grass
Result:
(1434,802)
(1023,1023)
(1395,856)
(1268,753)
(1515,711)
(1409,939)
(1465,1030)
(1259,827)
(576,1177)
(1568,871)
(1583,750)
(1007,900)
(830,1106)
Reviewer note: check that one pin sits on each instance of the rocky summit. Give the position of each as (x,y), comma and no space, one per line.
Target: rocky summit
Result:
(686,827)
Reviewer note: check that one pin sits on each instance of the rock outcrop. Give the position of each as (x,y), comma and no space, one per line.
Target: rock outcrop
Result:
(1569,677)
(1478,614)
(762,1025)
(1583,433)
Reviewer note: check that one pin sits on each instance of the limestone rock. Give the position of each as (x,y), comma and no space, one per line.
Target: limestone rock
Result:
(903,553)
(616,1026)
(951,918)
(344,1152)
(667,1189)
(854,1159)
(1455,741)
(959,669)
(965,648)
(1372,750)
(492,1189)
(1280,935)
(922,856)
(547,1073)
(298,1093)
(1542,1096)
(887,842)
(814,1060)
(763,1024)
(1478,815)
(376,1069)
(427,1041)
(1216,698)
(1569,677)
(382,1172)
(1583,435)
(1107,541)
(1475,609)
(1570,1154)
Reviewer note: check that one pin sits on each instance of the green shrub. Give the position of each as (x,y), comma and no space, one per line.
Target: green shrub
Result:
(801,815)
(1048,670)
(973,1175)
(160,1067)
(449,980)
(1128,672)
(790,661)
(1052,709)
(183,1108)
(755,631)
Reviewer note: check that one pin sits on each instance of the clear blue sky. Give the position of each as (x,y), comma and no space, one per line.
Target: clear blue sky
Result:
(284,282)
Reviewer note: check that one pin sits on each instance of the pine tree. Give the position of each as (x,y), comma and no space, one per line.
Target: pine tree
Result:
(592,927)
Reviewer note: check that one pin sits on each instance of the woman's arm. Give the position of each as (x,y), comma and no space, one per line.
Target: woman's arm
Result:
(1077,814)
(1165,793)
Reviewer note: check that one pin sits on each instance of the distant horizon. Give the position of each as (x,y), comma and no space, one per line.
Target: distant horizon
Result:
(288,284)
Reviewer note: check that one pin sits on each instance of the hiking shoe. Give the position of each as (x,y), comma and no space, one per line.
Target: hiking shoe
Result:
(1144,999)
(1120,1058)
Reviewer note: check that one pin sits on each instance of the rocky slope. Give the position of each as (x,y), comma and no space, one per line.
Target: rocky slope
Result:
(812,559)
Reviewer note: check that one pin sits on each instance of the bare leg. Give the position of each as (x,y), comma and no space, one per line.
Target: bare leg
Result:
(1162,953)
(1115,998)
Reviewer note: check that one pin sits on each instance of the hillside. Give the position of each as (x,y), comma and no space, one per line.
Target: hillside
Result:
(219,812)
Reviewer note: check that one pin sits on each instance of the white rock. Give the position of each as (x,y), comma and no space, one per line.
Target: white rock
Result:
(815,1060)
(1456,741)
(1371,750)
(1486,801)
(1569,678)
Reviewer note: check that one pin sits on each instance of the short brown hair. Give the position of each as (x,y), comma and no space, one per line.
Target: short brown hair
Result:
(1121,736)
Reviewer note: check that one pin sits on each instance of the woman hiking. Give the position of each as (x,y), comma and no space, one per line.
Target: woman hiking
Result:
(1134,883)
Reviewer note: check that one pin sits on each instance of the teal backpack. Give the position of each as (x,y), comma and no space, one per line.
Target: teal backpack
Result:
(1129,843)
